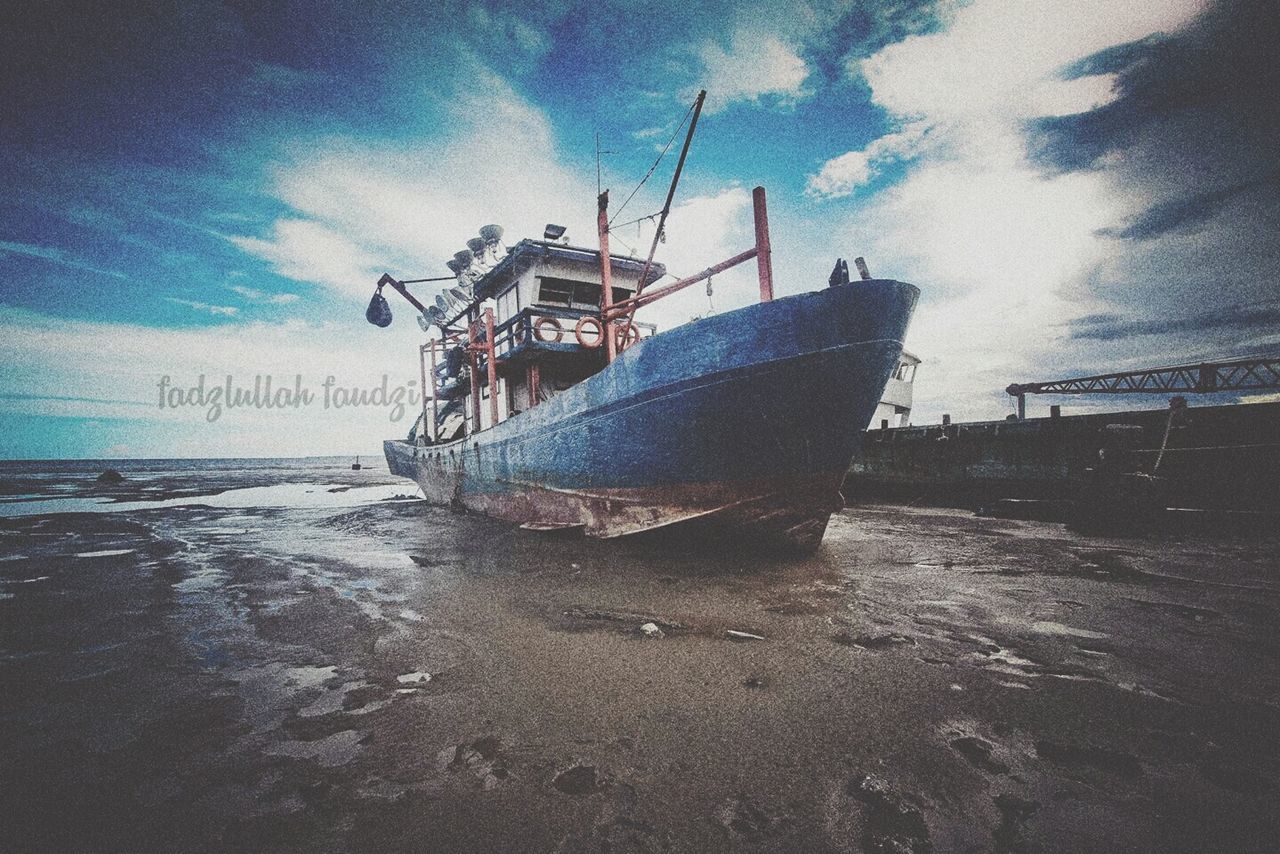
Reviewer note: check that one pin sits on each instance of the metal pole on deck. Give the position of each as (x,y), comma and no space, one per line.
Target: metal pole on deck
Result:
(435,399)
(764,254)
(491,356)
(474,363)
(606,275)
(422,363)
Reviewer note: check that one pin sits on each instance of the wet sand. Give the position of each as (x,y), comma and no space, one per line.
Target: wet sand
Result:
(395,676)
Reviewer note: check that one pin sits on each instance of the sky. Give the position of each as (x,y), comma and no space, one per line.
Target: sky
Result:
(213,188)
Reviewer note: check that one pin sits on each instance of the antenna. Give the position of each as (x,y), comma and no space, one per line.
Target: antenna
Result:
(600,151)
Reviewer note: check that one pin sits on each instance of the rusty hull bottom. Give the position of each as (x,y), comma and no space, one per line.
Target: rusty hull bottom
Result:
(790,513)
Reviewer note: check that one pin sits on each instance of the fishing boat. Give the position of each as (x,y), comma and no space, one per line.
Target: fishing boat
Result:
(551,406)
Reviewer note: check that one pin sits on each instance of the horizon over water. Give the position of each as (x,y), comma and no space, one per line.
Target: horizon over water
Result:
(38,487)
(133,462)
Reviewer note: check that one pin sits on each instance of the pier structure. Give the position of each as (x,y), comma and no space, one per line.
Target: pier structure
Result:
(1249,375)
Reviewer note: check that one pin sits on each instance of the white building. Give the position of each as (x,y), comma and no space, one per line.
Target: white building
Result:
(894,409)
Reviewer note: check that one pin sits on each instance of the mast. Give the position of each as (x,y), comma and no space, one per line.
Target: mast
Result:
(606,275)
(671,191)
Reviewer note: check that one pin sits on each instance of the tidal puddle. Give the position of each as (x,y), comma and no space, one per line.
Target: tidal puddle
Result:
(1049,628)
(290,495)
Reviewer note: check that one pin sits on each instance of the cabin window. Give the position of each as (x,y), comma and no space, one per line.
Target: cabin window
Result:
(566,293)
(555,291)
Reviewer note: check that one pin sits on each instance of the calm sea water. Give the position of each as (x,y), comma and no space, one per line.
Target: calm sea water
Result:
(31,487)
(26,468)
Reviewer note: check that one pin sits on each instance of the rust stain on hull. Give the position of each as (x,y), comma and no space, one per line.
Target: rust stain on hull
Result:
(787,511)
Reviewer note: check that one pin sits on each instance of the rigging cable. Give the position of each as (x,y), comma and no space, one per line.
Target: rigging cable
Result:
(648,174)
(651,217)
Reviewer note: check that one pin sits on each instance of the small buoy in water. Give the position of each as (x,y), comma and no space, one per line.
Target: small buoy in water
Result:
(356,465)
(110,476)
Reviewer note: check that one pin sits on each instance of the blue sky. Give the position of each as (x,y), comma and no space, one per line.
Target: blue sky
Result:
(212,188)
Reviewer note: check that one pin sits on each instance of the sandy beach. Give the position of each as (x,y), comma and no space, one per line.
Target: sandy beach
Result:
(288,674)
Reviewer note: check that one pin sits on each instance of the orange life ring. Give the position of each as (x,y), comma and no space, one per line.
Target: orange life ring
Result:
(552,337)
(626,334)
(592,339)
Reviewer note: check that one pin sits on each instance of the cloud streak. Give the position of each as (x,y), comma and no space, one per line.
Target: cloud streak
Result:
(255,295)
(217,310)
(57,256)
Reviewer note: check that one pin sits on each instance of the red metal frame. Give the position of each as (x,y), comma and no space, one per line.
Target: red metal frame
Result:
(761,251)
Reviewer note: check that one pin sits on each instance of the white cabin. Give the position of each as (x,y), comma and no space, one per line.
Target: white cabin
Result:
(894,409)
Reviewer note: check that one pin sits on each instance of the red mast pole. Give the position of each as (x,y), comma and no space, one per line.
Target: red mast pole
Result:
(491,357)
(606,275)
(764,254)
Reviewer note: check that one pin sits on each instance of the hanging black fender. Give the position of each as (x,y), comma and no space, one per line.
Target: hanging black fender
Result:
(378,313)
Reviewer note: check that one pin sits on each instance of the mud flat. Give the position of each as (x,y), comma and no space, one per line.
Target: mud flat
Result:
(394,676)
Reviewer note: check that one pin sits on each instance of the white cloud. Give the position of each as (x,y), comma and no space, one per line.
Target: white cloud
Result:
(221,310)
(255,295)
(308,251)
(1001,57)
(841,175)
(756,65)
(364,208)
(995,245)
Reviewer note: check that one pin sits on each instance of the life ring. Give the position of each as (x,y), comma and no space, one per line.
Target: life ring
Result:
(625,334)
(589,331)
(542,324)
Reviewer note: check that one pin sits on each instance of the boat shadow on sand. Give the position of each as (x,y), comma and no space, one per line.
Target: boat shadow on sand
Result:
(483,546)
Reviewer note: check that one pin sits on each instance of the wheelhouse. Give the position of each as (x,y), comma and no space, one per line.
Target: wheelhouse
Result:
(533,327)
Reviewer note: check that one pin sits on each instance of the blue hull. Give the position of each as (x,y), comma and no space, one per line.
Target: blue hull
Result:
(747,420)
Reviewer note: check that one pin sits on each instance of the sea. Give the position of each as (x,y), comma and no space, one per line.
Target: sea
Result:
(39,487)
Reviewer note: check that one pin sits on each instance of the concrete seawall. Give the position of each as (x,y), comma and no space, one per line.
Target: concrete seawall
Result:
(1219,457)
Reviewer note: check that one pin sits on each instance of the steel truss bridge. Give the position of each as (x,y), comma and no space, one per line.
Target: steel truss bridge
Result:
(1260,373)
